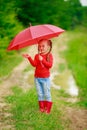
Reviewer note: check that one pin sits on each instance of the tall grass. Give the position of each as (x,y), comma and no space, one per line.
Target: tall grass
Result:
(76,56)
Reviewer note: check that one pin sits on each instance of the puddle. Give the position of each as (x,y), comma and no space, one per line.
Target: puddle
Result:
(65,81)
(72,88)
(52,80)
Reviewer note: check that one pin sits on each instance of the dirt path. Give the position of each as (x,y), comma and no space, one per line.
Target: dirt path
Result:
(60,80)
(15,79)
(77,118)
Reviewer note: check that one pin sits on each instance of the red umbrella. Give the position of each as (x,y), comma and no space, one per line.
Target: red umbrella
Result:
(33,34)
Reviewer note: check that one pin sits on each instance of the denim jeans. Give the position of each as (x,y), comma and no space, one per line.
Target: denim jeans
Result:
(43,88)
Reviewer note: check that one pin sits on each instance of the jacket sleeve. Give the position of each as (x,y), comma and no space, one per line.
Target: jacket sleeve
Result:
(48,63)
(32,62)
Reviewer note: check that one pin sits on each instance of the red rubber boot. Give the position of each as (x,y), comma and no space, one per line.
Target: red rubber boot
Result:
(41,106)
(48,106)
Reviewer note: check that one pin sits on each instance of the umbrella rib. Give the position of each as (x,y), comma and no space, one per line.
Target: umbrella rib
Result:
(48,27)
(45,25)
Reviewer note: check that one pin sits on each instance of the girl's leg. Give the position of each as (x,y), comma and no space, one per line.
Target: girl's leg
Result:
(46,87)
(40,93)
(48,102)
(39,89)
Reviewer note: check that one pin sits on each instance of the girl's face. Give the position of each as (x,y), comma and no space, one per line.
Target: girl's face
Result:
(43,47)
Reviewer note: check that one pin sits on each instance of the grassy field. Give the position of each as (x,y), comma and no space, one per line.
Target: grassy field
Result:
(26,113)
(76,56)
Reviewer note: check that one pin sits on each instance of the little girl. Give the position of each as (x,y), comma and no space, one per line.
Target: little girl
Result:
(42,62)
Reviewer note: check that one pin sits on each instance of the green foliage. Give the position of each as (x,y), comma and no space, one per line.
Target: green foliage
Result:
(66,14)
(8,22)
(9,25)
(9,28)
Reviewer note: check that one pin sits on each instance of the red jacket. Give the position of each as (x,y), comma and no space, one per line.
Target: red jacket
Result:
(42,67)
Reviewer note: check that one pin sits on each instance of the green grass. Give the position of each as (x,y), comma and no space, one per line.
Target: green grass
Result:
(26,115)
(61,67)
(8,62)
(76,56)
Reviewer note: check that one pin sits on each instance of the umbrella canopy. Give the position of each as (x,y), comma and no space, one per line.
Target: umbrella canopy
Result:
(33,34)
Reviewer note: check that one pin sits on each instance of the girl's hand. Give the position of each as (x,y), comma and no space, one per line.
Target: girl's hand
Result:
(40,58)
(25,55)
